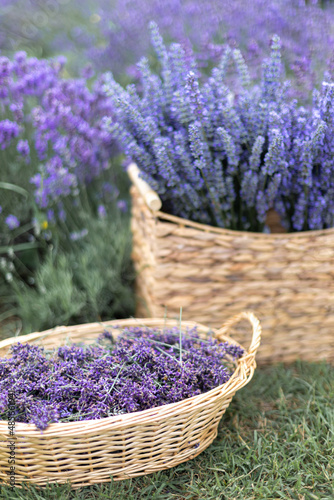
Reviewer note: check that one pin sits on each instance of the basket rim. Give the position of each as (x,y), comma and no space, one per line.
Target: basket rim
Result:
(163,216)
(138,184)
(240,377)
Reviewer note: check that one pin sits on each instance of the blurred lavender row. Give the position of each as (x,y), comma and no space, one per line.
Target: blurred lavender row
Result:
(114,35)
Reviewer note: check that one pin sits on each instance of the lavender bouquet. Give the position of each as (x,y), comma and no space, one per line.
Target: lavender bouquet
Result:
(225,156)
(143,368)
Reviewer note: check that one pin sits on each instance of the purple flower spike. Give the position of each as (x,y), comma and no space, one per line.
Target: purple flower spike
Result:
(23,148)
(102,211)
(8,131)
(122,206)
(12,221)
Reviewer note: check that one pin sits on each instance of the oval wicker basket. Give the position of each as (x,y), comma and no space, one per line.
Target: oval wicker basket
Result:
(287,279)
(124,446)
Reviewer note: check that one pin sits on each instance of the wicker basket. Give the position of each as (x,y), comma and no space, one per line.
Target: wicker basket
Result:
(124,446)
(286,279)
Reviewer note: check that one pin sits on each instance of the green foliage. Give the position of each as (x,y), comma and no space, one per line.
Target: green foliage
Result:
(275,442)
(68,271)
(89,281)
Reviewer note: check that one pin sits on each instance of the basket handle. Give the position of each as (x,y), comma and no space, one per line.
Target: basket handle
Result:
(151,198)
(256,337)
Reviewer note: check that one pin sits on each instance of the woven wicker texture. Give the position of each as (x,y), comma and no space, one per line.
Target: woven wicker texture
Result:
(287,280)
(123,446)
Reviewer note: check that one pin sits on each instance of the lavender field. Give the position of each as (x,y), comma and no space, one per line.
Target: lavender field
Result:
(62,180)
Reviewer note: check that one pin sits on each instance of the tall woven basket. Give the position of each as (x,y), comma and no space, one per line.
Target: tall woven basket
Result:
(286,279)
(128,445)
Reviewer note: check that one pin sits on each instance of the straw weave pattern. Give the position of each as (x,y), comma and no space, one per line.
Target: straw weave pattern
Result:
(123,446)
(287,280)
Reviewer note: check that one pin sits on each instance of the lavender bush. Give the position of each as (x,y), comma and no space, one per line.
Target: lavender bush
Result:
(53,123)
(142,369)
(53,146)
(59,188)
(225,157)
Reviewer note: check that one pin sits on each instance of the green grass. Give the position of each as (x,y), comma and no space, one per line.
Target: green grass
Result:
(276,441)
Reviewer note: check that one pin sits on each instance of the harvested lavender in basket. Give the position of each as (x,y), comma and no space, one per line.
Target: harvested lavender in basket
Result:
(141,369)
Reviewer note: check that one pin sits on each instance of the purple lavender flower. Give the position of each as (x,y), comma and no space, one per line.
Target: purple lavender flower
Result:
(88,72)
(101,210)
(12,221)
(5,67)
(50,215)
(122,206)
(23,148)
(8,131)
